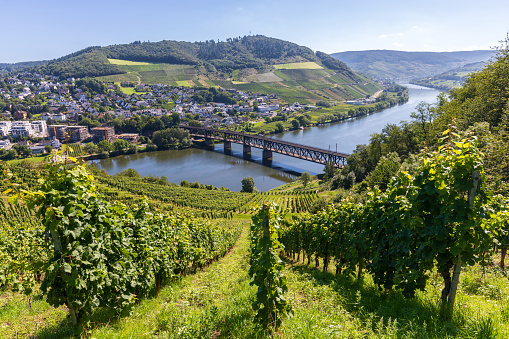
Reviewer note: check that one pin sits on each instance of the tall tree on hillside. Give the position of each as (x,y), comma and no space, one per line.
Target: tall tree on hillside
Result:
(424,116)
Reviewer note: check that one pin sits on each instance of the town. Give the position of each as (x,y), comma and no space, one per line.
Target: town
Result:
(41,112)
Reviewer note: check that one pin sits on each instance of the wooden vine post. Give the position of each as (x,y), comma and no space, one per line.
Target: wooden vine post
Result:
(476,177)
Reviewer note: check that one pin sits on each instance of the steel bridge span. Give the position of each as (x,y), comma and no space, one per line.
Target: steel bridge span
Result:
(268,145)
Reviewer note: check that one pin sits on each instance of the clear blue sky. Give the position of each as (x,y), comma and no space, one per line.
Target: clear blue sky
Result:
(36,30)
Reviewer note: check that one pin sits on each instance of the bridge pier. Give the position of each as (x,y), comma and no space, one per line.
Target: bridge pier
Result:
(266,154)
(227,145)
(246,151)
(209,142)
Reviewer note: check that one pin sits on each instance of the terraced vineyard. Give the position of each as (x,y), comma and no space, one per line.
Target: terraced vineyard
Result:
(292,202)
(201,199)
(304,82)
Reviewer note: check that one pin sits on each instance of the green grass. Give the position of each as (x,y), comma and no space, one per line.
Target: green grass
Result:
(127,62)
(118,78)
(299,65)
(304,74)
(33,159)
(184,83)
(131,90)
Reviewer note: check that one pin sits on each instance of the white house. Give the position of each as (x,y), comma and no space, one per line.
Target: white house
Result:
(40,128)
(22,128)
(5,144)
(5,128)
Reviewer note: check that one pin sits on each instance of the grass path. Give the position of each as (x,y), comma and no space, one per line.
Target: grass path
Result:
(214,303)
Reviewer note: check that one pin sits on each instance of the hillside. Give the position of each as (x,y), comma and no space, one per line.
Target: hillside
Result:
(12,67)
(405,65)
(450,79)
(251,63)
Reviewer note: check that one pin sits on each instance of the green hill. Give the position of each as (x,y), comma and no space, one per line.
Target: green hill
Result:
(12,67)
(399,64)
(252,63)
(450,79)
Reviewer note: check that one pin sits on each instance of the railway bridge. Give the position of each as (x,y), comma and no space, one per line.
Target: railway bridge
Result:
(268,145)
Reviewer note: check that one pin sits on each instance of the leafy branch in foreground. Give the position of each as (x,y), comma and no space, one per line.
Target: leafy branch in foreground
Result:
(266,268)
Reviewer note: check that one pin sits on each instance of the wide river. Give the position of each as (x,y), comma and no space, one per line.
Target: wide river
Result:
(218,169)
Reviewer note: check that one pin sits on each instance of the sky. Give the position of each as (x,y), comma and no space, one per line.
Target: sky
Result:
(41,30)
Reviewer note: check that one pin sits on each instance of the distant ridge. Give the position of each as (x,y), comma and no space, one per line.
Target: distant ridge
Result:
(13,67)
(256,52)
(406,65)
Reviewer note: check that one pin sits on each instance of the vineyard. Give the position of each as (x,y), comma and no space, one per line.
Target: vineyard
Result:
(115,242)
(293,202)
(200,199)
(92,253)
(74,150)
(433,221)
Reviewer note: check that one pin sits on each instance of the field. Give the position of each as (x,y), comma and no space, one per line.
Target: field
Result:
(303,82)
(299,65)
(127,62)
(152,73)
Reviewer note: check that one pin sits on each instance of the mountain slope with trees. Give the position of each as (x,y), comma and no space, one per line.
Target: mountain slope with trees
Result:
(399,64)
(235,53)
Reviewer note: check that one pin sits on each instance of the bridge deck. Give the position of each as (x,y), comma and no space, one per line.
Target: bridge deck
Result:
(304,152)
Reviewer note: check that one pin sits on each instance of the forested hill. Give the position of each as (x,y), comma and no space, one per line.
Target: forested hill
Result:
(399,64)
(256,52)
(12,67)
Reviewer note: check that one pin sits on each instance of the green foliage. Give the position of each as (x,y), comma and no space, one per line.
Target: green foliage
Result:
(90,62)
(130,173)
(107,255)
(248,185)
(305,178)
(387,167)
(334,64)
(22,249)
(180,196)
(171,138)
(482,98)
(266,269)
(421,222)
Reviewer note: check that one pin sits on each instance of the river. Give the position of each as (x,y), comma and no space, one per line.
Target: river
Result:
(218,169)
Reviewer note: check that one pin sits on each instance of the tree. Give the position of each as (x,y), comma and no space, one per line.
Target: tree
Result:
(23,150)
(62,109)
(171,138)
(120,145)
(175,118)
(280,128)
(305,178)
(329,170)
(91,148)
(424,116)
(295,123)
(248,185)
(387,167)
(130,172)
(48,148)
(104,146)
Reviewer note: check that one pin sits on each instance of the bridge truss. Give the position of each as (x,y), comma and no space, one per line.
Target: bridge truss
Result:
(304,152)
